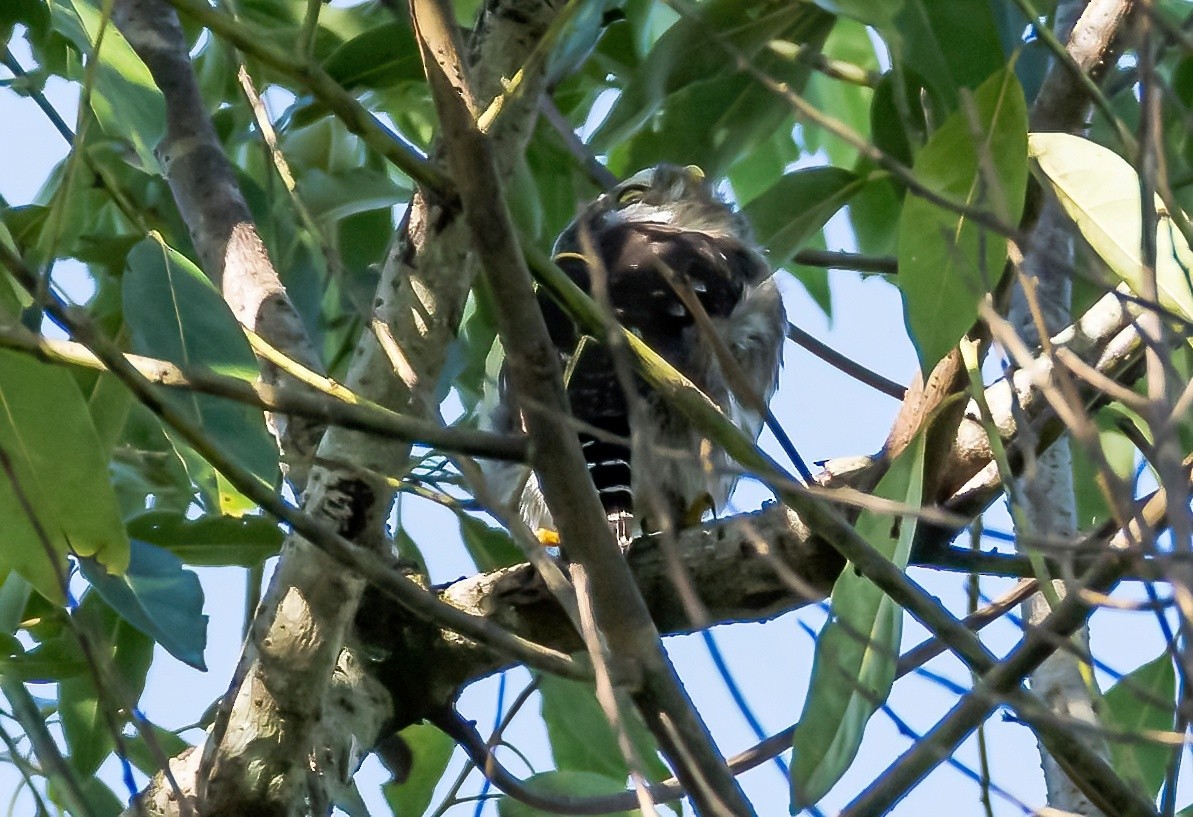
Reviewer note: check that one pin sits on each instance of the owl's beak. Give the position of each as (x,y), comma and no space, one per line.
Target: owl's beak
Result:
(694,174)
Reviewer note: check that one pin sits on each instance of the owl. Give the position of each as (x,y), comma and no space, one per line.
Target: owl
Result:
(632,248)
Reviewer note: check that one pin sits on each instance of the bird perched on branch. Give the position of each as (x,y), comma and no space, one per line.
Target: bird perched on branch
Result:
(657,251)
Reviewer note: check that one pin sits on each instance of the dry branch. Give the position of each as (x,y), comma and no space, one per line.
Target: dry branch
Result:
(301,712)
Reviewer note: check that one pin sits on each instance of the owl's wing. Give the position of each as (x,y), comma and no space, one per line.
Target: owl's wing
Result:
(754,333)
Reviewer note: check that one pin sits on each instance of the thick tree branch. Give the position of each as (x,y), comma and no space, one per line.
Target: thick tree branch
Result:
(777,561)
(537,378)
(297,687)
(1000,680)
(208,197)
(1040,305)
(329,405)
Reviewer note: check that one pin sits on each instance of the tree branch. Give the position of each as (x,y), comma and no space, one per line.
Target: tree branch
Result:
(301,683)
(209,199)
(555,455)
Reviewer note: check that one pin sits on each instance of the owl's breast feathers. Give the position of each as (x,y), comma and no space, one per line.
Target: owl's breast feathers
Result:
(627,266)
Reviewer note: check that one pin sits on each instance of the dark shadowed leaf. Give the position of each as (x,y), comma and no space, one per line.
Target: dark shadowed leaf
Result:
(175,313)
(52,660)
(952,45)
(101,801)
(683,56)
(56,458)
(489,547)
(856,652)
(1142,702)
(847,102)
(144,757)
(1120,453)
(946,262)
(31,13)
(159,597)
(333,196)
(87,722)
(430,752)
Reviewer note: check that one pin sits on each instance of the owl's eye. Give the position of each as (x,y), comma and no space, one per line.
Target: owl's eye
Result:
(631,194)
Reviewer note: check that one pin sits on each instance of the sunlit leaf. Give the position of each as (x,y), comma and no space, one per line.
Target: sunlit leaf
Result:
(1100,192)
(946,261)
(55,458)
(125,98)
(856,652)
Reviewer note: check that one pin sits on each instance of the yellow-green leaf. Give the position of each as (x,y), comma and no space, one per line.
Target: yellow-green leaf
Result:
(1100,192)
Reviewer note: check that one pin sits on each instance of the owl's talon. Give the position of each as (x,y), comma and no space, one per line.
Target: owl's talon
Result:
(547,538)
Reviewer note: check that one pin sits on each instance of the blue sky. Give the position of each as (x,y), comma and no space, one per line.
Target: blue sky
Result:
(827,414)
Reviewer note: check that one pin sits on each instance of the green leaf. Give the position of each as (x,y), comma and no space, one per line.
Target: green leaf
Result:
(684,56)
(582,739)
(564,783)
(856,653)
(333,196)
(430,752)
(125,99)
(1140,702)
(85,724)
(175,313)
(490,548)
(849,103)
(953,45)
(101,801)
(815,280)
(159,597)
(31,13)
(747,114)
(214,541)
(378,58)
(1100,192)
(1119,452)
(754,173)
(56,458)
(52,660)
(946,262)
(797,206)
(141,755)
(874,214)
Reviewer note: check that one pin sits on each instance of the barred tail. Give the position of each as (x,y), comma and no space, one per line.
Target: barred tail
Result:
(609,466)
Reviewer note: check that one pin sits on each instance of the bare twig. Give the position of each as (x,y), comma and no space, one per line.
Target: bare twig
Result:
(536,376)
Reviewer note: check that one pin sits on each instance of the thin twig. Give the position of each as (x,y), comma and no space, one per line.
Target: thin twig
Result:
(846,364)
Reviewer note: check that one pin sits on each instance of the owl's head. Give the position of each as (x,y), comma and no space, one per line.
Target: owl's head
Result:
(666,195)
